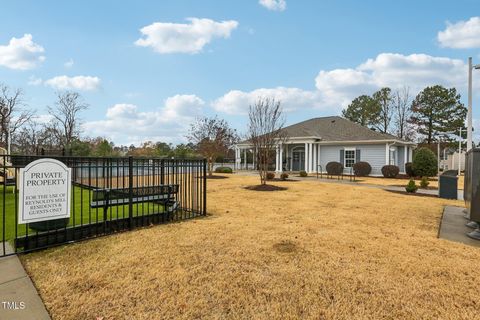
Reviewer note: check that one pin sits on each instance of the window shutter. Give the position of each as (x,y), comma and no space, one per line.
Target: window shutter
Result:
(342,156)
(357,155)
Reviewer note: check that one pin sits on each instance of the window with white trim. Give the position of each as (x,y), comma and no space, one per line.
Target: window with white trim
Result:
(393,155)
(349,158)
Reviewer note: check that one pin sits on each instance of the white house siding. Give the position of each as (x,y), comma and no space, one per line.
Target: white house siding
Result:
(373,154)
(328,154)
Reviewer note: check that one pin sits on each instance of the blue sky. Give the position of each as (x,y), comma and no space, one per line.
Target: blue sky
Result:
(147,68)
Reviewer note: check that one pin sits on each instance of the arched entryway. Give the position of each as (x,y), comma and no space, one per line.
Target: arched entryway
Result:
(298,158)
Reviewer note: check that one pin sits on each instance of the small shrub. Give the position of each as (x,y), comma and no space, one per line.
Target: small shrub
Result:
(362,169)
(334,168)
(303,173)
(284,176)
(411,186)
(223,170)
(390,171)
(424,163)
(270,175)
(409,169)
(424,182)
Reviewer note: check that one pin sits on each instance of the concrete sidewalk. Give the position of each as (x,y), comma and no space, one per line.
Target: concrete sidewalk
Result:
(19,299)
(452,226)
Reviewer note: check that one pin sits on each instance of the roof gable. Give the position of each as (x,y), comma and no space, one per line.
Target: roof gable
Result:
(335,129)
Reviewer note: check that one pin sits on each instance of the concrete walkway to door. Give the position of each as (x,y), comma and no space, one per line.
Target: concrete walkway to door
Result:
(19,299)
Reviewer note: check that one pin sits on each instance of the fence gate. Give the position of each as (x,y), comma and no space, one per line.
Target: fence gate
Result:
(107,195)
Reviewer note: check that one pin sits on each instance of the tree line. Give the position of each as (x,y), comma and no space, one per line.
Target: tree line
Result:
(23,130)
(434,114)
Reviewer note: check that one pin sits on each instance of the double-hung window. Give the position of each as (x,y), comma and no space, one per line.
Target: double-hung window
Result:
(393,155)
(349,158)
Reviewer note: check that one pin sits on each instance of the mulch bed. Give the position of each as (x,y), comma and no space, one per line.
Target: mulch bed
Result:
(280,180)
(265,187)
(427,188)
(217,177)
(413,194)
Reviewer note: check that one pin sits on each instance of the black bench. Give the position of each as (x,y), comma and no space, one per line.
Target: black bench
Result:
(159,194)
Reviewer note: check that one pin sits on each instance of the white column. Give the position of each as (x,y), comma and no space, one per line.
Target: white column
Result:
(306,157)
(387,154)
(319,156)
(405,160)
(286,158)
(245,158)
(280,162)
(311,157)
(276,158)
(237,158)
(253,158)
(315,167)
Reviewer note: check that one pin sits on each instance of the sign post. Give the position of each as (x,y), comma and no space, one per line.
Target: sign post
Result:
(45,191)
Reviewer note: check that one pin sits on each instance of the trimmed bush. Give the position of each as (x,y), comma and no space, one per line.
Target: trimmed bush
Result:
(409,169)
(334,168)
(424,163)
(284,176)
(390,171)
(270,175)
(303,174)
(223,170)
(362,169)
(411,186)
(424,182)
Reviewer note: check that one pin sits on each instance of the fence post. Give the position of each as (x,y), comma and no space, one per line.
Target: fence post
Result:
(130,192)
(162,172)
(204,187)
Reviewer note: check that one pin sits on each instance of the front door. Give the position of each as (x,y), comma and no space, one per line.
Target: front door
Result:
(298,160)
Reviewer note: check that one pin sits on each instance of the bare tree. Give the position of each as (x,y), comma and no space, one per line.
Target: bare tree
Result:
(266,122)
(212,138)
(66,121)
(402,101)
(13,113)
(27,139)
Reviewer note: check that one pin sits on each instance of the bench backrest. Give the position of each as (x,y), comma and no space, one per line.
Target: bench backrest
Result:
(139,193)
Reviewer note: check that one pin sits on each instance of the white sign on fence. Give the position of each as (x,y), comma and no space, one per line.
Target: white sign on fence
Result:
(45,191)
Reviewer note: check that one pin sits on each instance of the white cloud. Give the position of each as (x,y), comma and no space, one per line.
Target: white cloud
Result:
(461,35)
(34,81)
(85,83)
(274,5)
(336,88)
(127,124)
(166,37)
(238,102)
(43,118)
(69,63)
(21,53)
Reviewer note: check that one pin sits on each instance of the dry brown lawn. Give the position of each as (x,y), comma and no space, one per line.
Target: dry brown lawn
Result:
(314,251)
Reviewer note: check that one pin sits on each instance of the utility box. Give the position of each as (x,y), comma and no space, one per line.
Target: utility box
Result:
(448,188)
(472,184)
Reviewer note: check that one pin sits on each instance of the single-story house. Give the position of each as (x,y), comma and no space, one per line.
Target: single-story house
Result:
(313,143)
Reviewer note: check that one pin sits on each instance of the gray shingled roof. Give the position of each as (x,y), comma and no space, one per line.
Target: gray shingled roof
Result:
(335,129)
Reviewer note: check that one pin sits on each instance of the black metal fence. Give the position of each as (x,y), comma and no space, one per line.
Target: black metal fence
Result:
(108,195)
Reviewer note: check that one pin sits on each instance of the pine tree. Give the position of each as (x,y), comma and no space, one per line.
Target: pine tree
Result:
(436,111)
